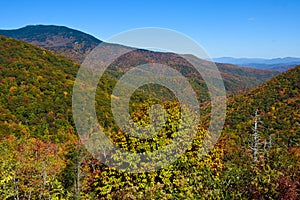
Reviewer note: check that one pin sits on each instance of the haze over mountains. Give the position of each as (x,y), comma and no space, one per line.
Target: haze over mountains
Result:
(76,45)
(277,64)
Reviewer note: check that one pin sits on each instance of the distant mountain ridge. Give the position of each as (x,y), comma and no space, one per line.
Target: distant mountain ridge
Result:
(62,40)
(284,60)
(76,45)
(277,64)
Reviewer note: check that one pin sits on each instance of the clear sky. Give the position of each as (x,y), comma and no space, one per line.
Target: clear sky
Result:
(238,28)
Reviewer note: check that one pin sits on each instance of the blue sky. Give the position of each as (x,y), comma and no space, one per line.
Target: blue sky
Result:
(238,28)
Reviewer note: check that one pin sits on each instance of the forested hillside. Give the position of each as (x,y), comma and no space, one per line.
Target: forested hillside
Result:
(40,153)
(264,166)
(42,158)
(76,45)
(36,89)
(59,39)
(278,102)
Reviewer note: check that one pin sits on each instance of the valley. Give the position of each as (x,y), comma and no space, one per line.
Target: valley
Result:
(41,156)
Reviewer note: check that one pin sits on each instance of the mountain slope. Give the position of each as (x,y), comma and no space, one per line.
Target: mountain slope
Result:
(35,88)
(236,79)
(267,164)
(59,39)
(35,112)
(76,45)
(23,66)
(278,102)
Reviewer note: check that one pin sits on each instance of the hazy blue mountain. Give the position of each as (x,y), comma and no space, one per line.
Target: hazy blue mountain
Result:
(278,64)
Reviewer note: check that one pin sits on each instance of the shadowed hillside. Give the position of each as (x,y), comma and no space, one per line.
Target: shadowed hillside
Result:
(59,39)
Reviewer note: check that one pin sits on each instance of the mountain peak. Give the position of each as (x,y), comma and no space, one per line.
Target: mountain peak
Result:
(62,40)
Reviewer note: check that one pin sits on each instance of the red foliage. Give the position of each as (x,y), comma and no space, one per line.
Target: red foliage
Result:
(288,188)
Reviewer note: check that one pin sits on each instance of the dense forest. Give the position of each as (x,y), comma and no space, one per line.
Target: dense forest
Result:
(42,157)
